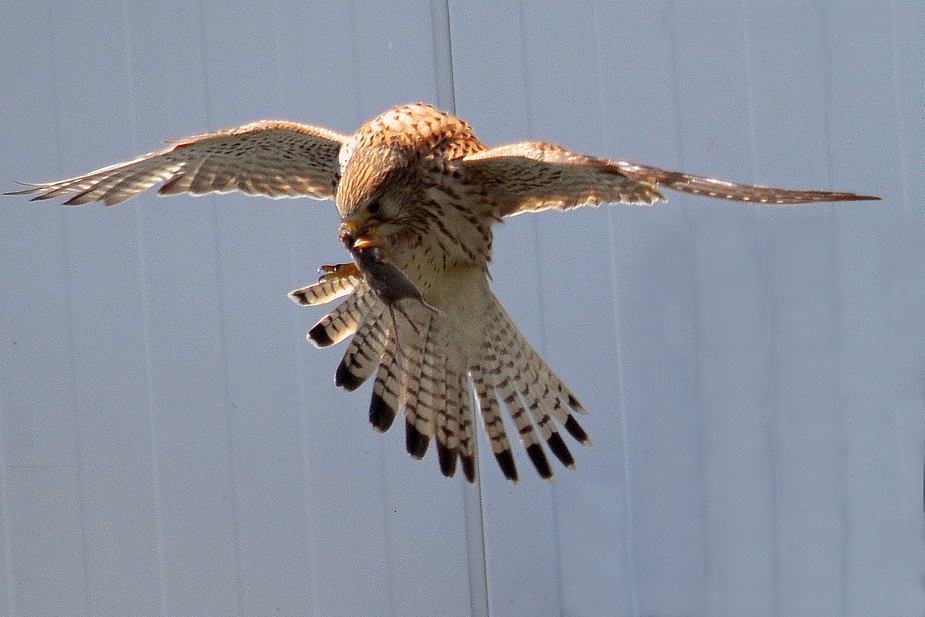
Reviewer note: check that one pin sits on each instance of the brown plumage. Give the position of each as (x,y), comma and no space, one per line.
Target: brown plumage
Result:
(418,195)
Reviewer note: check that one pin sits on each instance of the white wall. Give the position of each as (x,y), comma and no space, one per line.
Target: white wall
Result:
(170,445)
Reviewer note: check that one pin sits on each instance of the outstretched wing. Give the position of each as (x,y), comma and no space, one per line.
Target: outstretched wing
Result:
(527,177)
(531,176)
(274,159)
(721,189)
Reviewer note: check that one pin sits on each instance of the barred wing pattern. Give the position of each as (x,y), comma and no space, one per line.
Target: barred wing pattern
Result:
(532,176)
(273,159)
(722,189)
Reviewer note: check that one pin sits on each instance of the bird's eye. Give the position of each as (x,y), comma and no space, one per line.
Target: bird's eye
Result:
(374,207)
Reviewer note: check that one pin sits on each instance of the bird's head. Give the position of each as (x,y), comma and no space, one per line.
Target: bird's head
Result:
(387,167)
(373,196)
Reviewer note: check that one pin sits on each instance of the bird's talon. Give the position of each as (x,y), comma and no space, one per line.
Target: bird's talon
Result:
(339,271)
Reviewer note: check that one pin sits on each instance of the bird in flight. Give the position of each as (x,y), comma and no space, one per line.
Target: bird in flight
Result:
(418,196)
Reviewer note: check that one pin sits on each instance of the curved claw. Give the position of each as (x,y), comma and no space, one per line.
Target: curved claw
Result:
(339,271)
(336,282)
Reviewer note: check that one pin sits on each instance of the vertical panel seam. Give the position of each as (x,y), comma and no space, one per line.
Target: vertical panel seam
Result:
(768,359)
(897,110)
(696,325)
(71,351)
(5,515)
(443,55)
(839,318)
(474,497)
(629,543)
(141,260)
(227,406)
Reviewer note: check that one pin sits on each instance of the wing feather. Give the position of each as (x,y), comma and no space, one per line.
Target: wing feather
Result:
(722,189)
(269,158)
(532,176)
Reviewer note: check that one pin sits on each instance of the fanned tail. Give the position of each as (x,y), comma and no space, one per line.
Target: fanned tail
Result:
(431,367)
(535,398)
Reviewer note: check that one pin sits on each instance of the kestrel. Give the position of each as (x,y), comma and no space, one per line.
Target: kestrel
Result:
(418,196)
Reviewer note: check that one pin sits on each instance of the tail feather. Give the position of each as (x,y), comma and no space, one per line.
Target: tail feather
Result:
(427,405)
(483,375)
(507,391)
(463,418)
(447,459)
(386,390)
(445,398)
(328,289)
(575,430)
(445,366)
(343,320)
(542,391)
(364,352)
(557,399)
(415,385)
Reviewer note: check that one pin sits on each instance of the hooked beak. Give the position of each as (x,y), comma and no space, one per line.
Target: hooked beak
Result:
(355,238)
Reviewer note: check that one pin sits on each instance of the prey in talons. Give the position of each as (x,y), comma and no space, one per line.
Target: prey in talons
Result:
(386,280)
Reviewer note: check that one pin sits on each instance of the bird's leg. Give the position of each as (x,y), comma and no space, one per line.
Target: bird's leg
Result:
(335,282)
(339,271)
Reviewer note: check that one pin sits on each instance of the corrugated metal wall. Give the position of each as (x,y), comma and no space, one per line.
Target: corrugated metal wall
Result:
(170,445)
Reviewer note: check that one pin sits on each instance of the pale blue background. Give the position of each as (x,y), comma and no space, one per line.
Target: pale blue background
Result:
(170,445)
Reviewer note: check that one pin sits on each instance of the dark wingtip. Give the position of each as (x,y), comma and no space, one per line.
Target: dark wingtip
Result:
(381,415)
(506,461)
(30,188)
(319,336)
(468,467)
(574,429)
(415,441)
(854,197)
(561,451)
(343,378)
(536,454)
(447,460)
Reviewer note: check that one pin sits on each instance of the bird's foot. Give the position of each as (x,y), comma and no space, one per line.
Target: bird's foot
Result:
(339,271)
